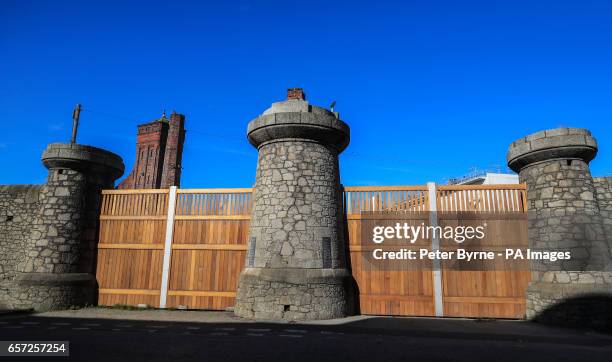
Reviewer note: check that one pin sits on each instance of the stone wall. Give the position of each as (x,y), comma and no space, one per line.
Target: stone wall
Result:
(603,189)
(18,208)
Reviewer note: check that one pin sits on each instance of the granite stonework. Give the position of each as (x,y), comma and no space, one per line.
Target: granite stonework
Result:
(296,265)
(57,266)
(568,210)
(603,190)
(18,208)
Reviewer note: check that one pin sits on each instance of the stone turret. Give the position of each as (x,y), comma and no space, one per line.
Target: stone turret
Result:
(564,215)
(296,266)
(60,257)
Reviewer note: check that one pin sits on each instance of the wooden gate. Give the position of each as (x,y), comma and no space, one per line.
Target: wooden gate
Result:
(203,241)
(206,251)
(475,293)
(211,229)
(131,246)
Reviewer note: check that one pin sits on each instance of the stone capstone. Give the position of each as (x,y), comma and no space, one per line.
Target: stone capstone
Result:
(82,158)
(566,143)
(319,125)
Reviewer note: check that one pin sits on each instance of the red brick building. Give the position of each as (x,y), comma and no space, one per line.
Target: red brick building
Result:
(159,152)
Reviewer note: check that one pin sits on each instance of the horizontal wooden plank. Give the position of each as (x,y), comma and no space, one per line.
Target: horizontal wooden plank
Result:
(201,293)
(130,246)
(135,191)
(132,217)
(212,217)
(209,247)
(392,215)
(485,300)
(346,188)
(129,291)
(384,188)
(482,187)
(395,297)
(215,191)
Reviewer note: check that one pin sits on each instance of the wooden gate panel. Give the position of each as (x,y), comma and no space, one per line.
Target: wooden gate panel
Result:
(498,291)
(387,292)
(486,294)
(130,248)
(204,279)
(208,247)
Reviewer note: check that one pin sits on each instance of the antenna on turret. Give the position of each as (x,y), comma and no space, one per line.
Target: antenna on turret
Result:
(333,104)
(75,122)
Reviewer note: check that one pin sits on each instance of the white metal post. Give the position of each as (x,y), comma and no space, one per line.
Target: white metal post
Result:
(435,246)
(167,247)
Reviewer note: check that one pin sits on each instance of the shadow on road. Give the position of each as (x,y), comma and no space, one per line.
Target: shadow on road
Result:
(590,311)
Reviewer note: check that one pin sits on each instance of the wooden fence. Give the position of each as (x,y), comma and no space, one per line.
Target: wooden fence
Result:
(207,232)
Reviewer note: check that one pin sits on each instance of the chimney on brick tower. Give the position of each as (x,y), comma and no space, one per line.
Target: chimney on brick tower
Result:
(159,152)
(171,174)
(296,93)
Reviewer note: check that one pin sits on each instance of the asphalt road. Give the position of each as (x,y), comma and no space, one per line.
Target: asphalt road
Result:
(129,340)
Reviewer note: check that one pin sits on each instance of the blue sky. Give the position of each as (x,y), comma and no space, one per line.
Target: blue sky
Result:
(429,88)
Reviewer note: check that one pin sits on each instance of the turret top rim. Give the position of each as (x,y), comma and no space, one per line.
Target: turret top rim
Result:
(72,155)
(295,118)
(552,144)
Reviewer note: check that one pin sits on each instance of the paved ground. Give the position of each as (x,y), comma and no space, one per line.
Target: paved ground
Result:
(116,335)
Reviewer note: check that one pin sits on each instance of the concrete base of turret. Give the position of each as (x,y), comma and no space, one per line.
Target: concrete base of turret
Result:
(294,294)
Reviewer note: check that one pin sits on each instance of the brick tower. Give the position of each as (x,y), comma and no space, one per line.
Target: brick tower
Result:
(159,152)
